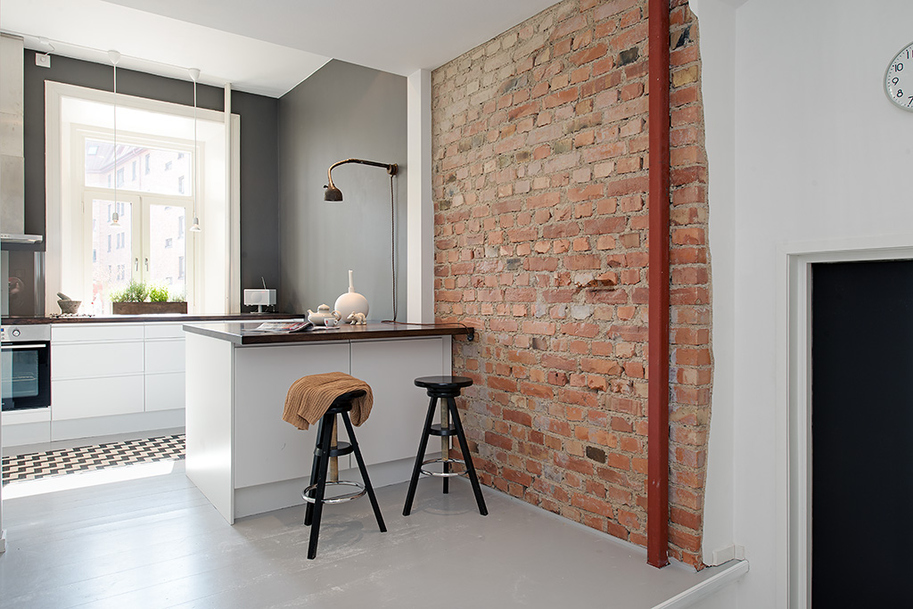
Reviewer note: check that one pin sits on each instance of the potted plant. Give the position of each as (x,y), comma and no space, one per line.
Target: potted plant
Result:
(139,299)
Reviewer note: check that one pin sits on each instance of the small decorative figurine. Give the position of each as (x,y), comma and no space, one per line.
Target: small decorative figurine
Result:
(356,318)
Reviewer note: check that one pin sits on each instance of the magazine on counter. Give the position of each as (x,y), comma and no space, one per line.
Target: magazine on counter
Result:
(283,327)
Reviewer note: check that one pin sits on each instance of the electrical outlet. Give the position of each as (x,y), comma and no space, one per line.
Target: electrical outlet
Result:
(42,60)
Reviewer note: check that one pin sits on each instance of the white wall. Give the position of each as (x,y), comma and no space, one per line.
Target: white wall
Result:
(819,154)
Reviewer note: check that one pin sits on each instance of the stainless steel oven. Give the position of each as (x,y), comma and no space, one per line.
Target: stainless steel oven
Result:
(26,363)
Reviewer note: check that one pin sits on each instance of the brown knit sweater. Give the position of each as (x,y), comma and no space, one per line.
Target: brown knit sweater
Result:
(310,396)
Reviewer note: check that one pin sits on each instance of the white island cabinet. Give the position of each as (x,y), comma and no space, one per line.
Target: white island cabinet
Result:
(240,452)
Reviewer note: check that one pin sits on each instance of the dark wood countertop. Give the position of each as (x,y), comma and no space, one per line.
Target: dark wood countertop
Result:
(244,334)
(165,317)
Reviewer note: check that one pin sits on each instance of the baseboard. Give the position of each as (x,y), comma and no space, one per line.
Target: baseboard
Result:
(71,429)
(730,573)
(21,434)
(724,555)
(287,493)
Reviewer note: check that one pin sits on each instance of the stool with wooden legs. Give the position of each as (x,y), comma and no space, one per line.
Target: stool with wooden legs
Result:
(444,389)
(325,468)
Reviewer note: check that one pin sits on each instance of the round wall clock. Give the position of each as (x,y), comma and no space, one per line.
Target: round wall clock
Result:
(898,79)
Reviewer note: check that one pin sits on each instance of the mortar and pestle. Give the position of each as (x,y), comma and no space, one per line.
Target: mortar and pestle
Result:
(67,305)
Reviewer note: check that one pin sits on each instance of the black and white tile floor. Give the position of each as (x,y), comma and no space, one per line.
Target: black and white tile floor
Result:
(33,466)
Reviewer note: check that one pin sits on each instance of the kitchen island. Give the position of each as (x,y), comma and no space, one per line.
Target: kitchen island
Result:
(241,454)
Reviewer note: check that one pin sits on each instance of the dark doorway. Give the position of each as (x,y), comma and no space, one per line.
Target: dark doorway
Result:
(862,433)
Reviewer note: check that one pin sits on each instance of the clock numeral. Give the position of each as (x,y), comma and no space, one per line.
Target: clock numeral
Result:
(899,93)
(898,67)
(910,103)
(895,80)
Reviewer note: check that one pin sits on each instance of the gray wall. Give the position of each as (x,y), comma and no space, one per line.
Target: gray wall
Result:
(259,153)
(342,111)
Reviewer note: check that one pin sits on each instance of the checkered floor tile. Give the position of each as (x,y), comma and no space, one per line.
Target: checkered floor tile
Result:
(88,458)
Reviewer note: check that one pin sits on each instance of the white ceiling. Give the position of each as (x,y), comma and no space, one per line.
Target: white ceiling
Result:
(263,46)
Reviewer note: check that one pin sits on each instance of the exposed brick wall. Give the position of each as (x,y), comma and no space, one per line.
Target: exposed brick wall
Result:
(540,151)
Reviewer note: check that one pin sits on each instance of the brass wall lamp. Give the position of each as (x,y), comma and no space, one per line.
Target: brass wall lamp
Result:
(334,194)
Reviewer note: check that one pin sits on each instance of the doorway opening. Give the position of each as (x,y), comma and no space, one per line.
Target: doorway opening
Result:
(803,411)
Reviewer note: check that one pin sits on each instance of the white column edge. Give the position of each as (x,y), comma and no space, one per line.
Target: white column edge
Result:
(419,204)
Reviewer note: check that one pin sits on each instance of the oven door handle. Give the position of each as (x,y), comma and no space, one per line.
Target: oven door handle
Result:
(14,347)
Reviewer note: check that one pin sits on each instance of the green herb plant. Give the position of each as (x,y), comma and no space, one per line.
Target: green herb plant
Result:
(158,293)
(136,291)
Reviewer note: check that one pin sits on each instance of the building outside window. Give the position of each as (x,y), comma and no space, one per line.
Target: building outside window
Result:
(151,215)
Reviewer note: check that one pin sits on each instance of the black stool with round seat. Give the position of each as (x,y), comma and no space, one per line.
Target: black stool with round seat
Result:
(444,388)
(325,466)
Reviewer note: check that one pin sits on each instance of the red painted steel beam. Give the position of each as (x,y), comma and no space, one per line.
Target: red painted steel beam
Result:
(658,277)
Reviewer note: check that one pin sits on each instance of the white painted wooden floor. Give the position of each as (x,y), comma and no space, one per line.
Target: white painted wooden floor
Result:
(157,542)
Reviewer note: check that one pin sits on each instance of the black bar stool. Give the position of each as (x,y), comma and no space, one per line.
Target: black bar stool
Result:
(325,465)
(444,388)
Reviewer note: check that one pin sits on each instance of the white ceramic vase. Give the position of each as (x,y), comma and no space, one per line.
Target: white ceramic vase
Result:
(351,302)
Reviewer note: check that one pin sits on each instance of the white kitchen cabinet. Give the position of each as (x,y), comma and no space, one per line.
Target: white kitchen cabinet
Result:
(164,366)
(96,360)
(107,370)
(164,391)
(96,397)
(96,370)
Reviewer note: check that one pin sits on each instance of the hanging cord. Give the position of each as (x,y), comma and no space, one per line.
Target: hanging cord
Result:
(393,243)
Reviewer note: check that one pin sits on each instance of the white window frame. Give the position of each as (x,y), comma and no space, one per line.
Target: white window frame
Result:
(216,250)
(140,234)
(140,201)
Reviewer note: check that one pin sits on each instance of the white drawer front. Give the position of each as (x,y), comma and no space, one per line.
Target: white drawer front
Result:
(165,356)
(95,332)
(163,330)
(93,360)
(78,399)
(164,391)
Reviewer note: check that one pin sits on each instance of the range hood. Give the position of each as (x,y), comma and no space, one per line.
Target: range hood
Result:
(12,159)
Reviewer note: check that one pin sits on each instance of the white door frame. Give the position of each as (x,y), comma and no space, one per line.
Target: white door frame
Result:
(794,383)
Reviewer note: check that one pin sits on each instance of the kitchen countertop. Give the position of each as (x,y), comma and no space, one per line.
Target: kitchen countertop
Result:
(244,333)
(164,317)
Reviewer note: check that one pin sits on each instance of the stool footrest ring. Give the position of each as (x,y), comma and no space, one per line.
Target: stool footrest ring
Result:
(428,472)
(306,493)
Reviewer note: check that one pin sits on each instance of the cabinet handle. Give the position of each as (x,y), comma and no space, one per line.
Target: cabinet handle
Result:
(136,264)
(20,347)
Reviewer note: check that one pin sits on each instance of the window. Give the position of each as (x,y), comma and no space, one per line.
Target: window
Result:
(202,266)
(133,170)
(168,243)
(181,184)
(109,243)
